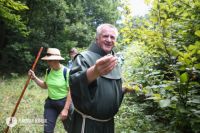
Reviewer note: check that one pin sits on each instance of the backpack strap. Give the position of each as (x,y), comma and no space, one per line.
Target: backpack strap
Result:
(65,73)
(48,70)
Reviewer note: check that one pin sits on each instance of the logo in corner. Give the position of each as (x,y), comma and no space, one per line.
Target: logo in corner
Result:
(11,121)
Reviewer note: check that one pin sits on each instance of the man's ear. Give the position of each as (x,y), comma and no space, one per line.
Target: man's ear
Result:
(97,39)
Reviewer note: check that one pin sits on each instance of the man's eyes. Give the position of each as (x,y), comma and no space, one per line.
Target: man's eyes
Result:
(106,36)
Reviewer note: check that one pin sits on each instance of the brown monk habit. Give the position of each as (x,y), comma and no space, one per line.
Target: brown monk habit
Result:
(98,101)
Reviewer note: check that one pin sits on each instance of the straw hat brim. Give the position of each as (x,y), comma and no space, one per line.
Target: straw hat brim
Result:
(52,57)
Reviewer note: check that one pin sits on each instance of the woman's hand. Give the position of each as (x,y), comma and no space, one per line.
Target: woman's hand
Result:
(32,74)
(64,114)
(38,81)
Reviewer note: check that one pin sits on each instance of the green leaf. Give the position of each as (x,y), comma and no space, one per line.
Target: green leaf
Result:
(197,43)
(164,103)
(197,33)
(191,47)
(184,77)
(155,97)
(197,101)
(188,61)
(197,66)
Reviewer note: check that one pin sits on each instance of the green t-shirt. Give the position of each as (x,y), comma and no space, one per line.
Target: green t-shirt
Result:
(57,85)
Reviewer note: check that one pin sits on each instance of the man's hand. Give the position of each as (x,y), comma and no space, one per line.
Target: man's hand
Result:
(102,66)
(105,65)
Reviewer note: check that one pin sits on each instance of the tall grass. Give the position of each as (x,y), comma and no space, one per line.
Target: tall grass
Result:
(130,117)
(30,108)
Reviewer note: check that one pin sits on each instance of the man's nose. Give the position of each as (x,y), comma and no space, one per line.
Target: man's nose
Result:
(109,39)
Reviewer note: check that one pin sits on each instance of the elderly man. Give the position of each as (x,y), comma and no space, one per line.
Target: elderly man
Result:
(96,85)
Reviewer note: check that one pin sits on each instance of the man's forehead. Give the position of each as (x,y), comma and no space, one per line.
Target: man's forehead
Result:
(108,31)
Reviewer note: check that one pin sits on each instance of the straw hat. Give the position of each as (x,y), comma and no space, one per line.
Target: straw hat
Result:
(53,54)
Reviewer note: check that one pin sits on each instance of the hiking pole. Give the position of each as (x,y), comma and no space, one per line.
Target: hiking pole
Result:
(22,93)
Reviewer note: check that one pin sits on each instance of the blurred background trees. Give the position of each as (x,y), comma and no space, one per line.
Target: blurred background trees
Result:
(27,25)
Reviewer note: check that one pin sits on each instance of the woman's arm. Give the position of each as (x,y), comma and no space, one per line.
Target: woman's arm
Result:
(64,112)
(38,81)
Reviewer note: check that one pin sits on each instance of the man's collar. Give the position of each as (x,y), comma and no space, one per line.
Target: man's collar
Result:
(96,49)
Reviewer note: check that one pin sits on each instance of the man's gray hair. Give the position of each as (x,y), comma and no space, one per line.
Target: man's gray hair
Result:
(102,26)
(73,50)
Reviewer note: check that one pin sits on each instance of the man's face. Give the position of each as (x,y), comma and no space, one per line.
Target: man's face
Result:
(106,40)
(72,55)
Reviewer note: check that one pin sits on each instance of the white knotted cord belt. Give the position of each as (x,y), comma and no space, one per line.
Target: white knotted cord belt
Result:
(84,116)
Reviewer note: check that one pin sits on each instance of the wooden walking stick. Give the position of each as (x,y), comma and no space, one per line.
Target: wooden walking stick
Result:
(22,93)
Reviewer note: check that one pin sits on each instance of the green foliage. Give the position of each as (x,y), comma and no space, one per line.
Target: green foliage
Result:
(17,55)
(56,23)
(167,63)
(13,20)
(132,117)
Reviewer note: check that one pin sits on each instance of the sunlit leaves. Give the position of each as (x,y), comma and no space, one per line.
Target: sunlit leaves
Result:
(156,97)
(169,37)
(14,5)
(13,20)
(197,33)
(184,77)
(164,103)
